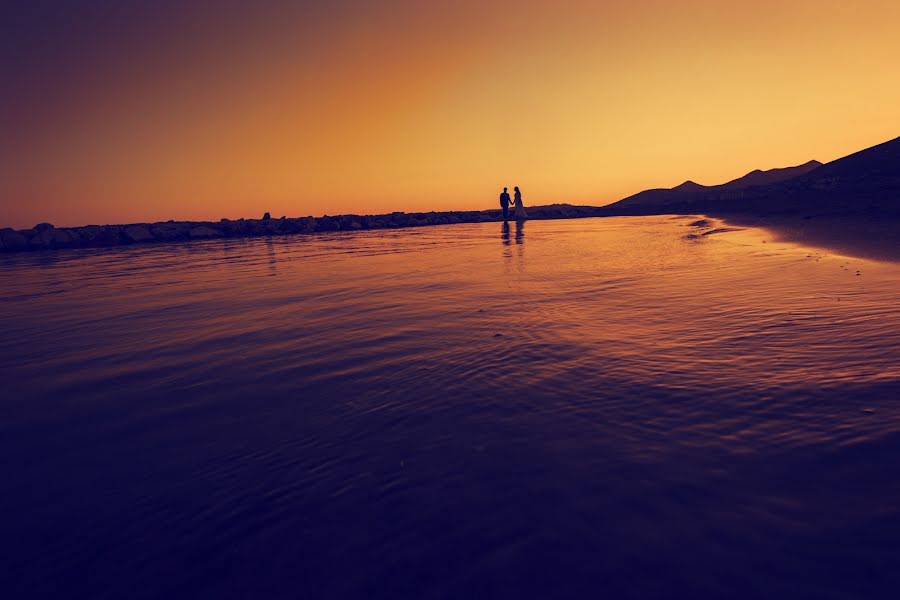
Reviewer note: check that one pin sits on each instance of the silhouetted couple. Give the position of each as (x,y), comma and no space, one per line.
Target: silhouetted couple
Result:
(520,208)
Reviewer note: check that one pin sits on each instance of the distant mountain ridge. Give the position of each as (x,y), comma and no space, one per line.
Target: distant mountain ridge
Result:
(688,189)
(868,180)
(759,177)
(689,186)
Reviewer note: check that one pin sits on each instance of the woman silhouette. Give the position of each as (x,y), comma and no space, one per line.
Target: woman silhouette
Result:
(521,215)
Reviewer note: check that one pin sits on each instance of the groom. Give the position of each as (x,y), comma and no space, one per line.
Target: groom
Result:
(504,204)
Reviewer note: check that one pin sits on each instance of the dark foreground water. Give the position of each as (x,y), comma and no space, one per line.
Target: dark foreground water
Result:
(598,408)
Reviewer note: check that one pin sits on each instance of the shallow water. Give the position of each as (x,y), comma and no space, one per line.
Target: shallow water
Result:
(595,407)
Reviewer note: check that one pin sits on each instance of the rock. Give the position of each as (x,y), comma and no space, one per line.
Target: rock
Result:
(204,232)
(96,235)
(171,231)
(400,219)
(234,228)
(700,223)
(41,239)
(326,223)
(163,232)
(255,227)
(138,233)
(290,226)
(349,222)
(64,238)
(45,235)
(13,240)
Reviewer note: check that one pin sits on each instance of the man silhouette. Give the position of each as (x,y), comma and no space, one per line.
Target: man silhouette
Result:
(504,203)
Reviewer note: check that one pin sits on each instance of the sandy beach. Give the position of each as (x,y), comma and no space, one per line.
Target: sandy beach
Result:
(858,236)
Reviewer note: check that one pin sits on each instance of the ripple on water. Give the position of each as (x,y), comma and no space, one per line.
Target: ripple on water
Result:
(559,405)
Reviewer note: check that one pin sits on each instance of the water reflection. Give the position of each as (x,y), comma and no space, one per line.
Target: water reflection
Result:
(507,246)
(402,399)
(273,262)
(520,247)
(507,249)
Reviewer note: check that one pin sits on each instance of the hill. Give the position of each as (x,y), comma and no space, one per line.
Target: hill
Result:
(771,176)
(866,182)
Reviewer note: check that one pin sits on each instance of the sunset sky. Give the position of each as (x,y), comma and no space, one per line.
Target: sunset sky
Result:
(121,111)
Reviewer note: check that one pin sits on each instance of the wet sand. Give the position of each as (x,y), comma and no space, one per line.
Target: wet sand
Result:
(858,236)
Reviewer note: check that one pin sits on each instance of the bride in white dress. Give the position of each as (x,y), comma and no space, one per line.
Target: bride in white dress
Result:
(521,215)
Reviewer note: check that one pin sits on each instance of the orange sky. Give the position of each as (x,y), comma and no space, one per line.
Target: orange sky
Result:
(203,110)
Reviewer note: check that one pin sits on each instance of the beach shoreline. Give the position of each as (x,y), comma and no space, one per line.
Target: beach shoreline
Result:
(855,235)
(858,236)
(45,236)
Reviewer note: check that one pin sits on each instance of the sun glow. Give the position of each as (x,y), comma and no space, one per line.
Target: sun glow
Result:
(207,112)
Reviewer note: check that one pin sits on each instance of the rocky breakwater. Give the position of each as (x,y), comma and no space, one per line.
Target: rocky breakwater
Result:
(45,236)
